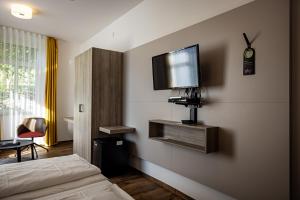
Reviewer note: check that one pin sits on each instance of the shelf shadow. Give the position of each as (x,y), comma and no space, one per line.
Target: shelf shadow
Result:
(226,142)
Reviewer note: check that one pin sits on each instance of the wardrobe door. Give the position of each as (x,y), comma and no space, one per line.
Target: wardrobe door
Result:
(107,89)
(77,100)
(82,107)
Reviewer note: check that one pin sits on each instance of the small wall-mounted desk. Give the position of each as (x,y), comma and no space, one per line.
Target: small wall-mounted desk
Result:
(198,137)
(116,129)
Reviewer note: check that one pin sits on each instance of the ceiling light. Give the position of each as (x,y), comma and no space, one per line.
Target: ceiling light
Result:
(21,11)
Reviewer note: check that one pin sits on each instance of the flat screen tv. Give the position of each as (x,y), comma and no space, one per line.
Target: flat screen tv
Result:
(177,69)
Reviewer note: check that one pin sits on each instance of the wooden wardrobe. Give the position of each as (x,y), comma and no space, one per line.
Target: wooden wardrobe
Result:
(98,96)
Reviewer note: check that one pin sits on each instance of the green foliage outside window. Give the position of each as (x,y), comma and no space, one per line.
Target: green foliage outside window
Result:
(17,75)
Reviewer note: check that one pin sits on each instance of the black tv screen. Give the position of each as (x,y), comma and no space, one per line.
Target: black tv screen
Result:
(177,69)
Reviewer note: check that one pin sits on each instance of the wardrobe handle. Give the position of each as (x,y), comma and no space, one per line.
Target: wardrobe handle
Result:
(81,108)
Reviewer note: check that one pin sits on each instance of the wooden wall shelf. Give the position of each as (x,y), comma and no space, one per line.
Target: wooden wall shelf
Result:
(116,129)
(198,137)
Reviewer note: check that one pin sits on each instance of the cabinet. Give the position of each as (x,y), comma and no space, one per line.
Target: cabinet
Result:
(98,96)
(111,155)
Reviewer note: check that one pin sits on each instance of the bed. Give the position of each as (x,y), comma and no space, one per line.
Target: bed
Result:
(66,177)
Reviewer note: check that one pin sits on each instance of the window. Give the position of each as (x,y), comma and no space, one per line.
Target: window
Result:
(22,78)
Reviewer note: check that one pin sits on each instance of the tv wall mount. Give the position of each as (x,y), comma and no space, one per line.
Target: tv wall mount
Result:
(192,99)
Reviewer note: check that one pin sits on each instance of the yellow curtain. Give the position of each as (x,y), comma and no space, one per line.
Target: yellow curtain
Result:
(50,98)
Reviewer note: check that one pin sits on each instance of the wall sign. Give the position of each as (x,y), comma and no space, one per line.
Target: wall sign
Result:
(249,58)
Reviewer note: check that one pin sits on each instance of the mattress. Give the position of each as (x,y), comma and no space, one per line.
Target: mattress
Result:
(103,190)
(33,175)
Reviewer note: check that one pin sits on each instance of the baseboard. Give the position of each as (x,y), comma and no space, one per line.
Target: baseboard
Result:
(178,182)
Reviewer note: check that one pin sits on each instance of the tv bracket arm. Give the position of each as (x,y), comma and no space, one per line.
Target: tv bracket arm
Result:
(193,101)
(194,108)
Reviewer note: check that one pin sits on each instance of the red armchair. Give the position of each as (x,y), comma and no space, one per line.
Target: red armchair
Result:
(32,128)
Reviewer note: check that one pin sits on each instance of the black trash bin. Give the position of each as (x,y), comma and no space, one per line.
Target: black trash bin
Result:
(111,155)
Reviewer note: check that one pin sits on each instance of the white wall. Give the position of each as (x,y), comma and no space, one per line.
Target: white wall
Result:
(65,88)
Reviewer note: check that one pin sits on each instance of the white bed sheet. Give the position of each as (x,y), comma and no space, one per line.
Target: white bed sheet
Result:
(56,189)
(37,174)
(103,190)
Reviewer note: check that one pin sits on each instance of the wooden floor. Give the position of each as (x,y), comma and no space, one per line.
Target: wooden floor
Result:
(143,187)
(135,183)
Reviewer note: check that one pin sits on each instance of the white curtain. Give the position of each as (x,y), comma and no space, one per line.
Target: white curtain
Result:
(22,78)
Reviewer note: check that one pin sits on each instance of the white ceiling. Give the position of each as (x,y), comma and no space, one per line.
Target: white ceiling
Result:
(70,20)
(114,24)
(152,19)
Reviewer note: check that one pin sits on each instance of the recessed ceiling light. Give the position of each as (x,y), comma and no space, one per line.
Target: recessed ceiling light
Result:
(21,11)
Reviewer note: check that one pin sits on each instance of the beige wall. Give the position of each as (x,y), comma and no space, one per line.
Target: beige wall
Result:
(252,111)
(295,109)
(65,88)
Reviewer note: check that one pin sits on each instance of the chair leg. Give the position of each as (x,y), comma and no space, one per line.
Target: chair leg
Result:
(37,156)
(22,149)
(32,151)
(25,148)
(41,146)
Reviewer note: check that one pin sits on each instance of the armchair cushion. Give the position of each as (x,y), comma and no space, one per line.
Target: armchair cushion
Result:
(31,135)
